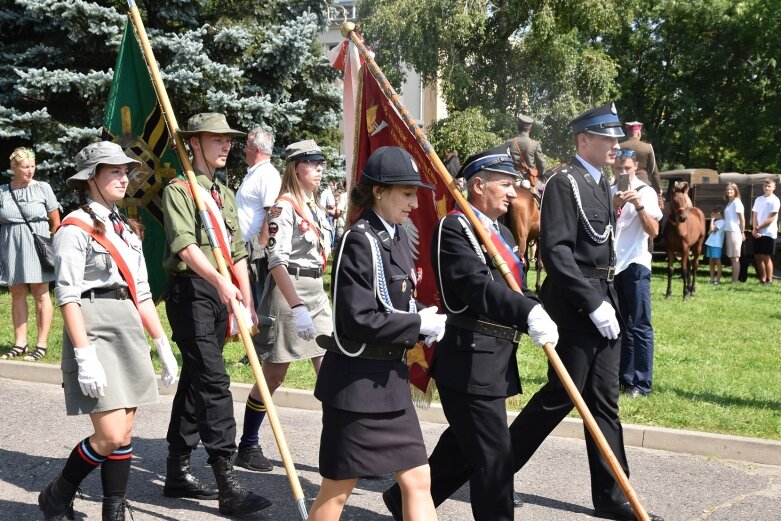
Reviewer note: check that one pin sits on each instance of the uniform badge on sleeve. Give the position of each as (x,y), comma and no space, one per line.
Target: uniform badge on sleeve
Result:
(273,228)
(303,226)
(272,242)
(274,212)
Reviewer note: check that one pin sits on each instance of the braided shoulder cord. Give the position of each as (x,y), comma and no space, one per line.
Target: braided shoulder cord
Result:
(599,238)
(380,284)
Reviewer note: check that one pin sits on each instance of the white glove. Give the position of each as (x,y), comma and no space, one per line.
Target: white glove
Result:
(604,317)
(542,329)
(92,377)
(168,361)
(432,325)
(303,323)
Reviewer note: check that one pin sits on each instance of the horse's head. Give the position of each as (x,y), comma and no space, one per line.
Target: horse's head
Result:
(679,202)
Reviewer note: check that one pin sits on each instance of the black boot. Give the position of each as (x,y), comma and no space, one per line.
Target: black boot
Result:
(180,482)
(56,500)
(235,500)
(114,508)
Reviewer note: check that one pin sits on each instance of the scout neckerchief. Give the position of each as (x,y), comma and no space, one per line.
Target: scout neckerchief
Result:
(113,244)
(213,210)
(512,260)
(310,224)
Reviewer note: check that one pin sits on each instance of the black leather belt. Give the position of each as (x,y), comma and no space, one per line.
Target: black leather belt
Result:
(370,351)
(485,328)
(607,273)
(110,293)
(313,273)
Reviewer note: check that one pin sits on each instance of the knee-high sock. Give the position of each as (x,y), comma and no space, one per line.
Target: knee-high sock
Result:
(254,413)
(115,472)
(82,460)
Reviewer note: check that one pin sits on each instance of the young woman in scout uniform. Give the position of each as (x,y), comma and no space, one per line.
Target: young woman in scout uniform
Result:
(103,293)
(294,308)
(369,423)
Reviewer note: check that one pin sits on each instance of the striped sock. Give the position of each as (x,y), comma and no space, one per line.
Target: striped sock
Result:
(253,418)
(115,472)
(82,460)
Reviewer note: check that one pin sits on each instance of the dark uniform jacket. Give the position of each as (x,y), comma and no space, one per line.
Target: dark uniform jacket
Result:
(564,245)
(647,171)
(531,150)
(466,361)
(358,384)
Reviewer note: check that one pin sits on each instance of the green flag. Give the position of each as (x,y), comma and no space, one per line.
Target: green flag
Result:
(134,120)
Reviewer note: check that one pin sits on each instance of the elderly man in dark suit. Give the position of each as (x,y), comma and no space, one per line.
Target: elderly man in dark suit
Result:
(474,364)
(578,250)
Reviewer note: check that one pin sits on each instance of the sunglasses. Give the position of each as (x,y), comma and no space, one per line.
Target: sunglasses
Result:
(625,152)
(313,162)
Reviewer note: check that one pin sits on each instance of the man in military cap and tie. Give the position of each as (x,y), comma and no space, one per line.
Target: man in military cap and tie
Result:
(578,250)
(647,171)
(475,364)
(198,302)
(526,152)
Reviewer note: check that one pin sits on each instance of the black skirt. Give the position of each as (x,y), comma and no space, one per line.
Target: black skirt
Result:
(354,445)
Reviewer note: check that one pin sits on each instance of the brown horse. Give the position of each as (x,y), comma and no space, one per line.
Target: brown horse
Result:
(523,220)
(685,231)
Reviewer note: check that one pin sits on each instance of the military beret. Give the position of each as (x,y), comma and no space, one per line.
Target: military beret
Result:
(602,121)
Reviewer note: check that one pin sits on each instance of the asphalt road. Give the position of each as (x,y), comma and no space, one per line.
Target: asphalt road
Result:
(36,437)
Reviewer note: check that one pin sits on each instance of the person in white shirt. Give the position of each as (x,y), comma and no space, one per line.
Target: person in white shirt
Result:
(764,228)
(638,219)
(734,224)
(255,196)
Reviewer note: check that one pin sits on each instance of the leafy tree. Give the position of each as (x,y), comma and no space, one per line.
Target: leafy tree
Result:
(466,132)
(260,63)
(540,57)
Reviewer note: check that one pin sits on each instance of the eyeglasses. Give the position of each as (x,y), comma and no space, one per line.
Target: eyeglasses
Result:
(313,162)
(625,152)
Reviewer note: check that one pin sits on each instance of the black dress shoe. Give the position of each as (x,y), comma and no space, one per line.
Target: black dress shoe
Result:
(393,504)
(621,512)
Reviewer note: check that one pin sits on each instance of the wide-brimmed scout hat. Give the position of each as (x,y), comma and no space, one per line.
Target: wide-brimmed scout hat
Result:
(306,150)
(601,121)
(213,122)
(495,159)
(102,152)
(391,166)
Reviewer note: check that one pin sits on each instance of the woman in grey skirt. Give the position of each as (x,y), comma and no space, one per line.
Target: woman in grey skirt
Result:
(103,293)
(294,307)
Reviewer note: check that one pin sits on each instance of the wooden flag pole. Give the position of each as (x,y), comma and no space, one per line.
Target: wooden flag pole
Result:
(348,31)
(244,332)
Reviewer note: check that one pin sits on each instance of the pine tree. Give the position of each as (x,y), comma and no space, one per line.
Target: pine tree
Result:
(259,62)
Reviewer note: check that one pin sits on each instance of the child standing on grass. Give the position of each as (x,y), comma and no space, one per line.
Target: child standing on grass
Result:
(713,246)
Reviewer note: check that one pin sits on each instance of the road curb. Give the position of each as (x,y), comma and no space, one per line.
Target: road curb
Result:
(723,446)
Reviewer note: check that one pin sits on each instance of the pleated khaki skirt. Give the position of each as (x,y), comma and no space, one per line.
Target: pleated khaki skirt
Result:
(114,328)
(277,341)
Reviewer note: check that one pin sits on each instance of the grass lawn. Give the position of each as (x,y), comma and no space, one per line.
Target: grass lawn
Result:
(718,359)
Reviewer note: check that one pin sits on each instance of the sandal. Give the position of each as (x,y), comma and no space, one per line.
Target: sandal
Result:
(14,352)
(36,355)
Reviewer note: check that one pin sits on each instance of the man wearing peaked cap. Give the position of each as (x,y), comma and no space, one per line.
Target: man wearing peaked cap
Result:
(647,170)
(526,152)
(578,250)
(475,364)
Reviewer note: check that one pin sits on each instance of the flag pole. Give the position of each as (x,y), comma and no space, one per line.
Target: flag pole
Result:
(348,32)
(244,333)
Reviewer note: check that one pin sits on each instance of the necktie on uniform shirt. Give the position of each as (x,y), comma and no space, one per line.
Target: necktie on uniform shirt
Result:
(215,191)
(119,226)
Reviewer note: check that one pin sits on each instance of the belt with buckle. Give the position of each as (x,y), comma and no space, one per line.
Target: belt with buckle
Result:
(485,328)
(109,293)
(607,273)
(369,351)
(313,273)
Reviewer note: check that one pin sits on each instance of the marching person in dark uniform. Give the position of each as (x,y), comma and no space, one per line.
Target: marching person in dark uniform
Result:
(475,364)
(578,250)
(369,423)
(647,171)
(197,303)
(526,152)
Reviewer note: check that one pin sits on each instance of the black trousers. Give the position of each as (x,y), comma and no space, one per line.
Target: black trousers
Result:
(475,447)
(592,361)
(203,405)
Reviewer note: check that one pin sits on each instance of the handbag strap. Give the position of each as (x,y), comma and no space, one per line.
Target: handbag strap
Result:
(11,191)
